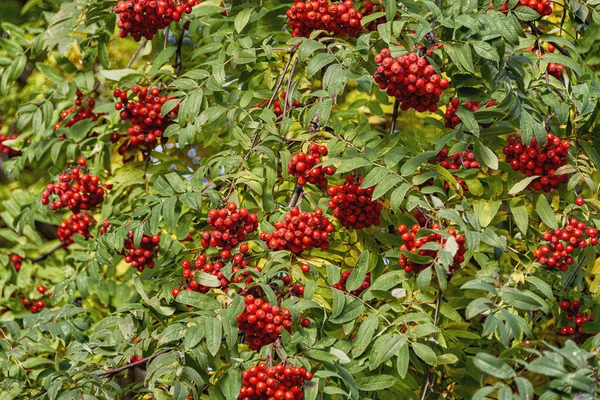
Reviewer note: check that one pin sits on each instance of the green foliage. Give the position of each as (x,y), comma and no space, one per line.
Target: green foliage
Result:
(488,330)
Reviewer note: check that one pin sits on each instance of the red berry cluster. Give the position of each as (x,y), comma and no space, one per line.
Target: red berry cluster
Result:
(413,245)
(143,18)
(464,159)
(410,79)
(213,267)
(35,306)
(229,227)
(278,105)
(134,358)
(79,111)
(143,256)
(279,382)
(337,19)
(10,152)
(352,205)
(450,115)
(75,224)
(543,7)
(16,261)
(341,285)
(573,313)
(105,226)
(262,322)
(299,231)
(143,110)
(302,166)
(561,243)
(75,191)
(532,161)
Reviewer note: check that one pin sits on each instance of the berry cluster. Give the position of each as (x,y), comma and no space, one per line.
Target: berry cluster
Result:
(302,166)
(450,115)
(143,256)
(278,382)
(561,243)
(229,227)
(532,161)
(542,7)
(105,226)
(35,306)
(16,261)
(262,322)
(410,79)
(143,110)
(555,69)
(213,267)
(464,159)
(413,244)
(337,19)
(299,231)
(278,105)
(143,18)
(78,112)
(75,191)
(10,152)
(573,313)
(75,224)
(134,359)
(341,285)
(352,205)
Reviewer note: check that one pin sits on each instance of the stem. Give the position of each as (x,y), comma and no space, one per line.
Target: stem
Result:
(282,76)
(289,85)
(394,116)
(178,62)
(134,56)
(146,173)
(295,196)
(568,282)
(133,364)
(45,255)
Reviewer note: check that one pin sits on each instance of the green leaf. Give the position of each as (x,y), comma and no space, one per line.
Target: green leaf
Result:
(319,62)
(485,50)
(376,175)
(206,279)
(376,382)
(520,214)
(383,187)
(486,210)
(525,13)
(493,366)
(486,155)
(241,20)
(591,153)
(213,329)
(564,60)
(545,212)
(352,164)
(403,360)
(364,335)
(522,184)
(50,72)
(386,350)
(547,366)
(541,286)
(118,74)
(398,196)
(468,119)
(359,272)
(425,353)
(414,163)
(390,7)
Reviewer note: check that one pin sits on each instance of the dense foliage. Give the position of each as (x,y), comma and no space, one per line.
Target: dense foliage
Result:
(286,200)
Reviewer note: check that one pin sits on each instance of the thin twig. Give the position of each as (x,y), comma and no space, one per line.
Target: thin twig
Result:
(178,62)
(394,116)
(536,31)
(45,255)
(282,76)
(134,56)
(573,274)
(148,156)
(133,364)
(289,85)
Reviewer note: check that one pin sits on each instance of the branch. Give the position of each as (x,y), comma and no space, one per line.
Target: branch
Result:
(178,62)
(45,255)
(282,76)
(289,85)
(296,196)
(573,274)
(536,31)
(134,56)
(394,116)
(133,364)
